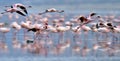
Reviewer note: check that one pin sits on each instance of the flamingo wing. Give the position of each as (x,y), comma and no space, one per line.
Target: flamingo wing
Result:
(24,9)
(20,13)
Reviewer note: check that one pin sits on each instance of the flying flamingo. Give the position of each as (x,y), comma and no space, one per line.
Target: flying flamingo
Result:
(51,10)
(83,20)
(11,10)
(21,6)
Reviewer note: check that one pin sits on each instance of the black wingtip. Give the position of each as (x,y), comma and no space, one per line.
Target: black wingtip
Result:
(81,18)
(25,11)
(98,16)
(92,14)
(29,41)
(20,13)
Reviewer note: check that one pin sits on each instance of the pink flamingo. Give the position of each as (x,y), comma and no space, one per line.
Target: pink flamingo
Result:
(11,10)
(21,6)
(51,10)
(4,30)
(17,27)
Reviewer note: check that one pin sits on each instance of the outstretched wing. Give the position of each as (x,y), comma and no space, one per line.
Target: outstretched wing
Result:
(24,9)
(20,13)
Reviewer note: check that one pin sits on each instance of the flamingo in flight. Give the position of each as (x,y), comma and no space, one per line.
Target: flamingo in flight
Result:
(86,20)
(51,10)
(12,10)
(21,6)
(18,8)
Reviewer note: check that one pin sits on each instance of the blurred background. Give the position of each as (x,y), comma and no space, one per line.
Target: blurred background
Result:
(70,6)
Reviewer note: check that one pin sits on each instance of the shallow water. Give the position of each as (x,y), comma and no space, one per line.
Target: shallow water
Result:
(59,59)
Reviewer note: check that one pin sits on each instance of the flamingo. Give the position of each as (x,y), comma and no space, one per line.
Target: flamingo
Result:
(17,27)
(11,10)
(51,10)
(26,25)
(116,29)
(100,19)
(21,6)
(94,27)
(2,24)
(87,20)
(76,30)
(35,27)
(4,30)
(68,23)
(86,29)
(52,29)
(62,29)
